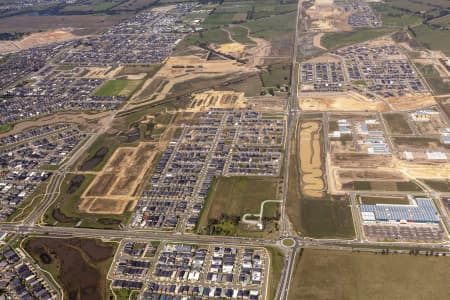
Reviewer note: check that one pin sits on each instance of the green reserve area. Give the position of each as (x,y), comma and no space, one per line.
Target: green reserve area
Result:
(232,197)
(328,274)
(118,87)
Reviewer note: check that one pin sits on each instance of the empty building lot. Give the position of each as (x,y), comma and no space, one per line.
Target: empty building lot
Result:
(360,275)
(113,191)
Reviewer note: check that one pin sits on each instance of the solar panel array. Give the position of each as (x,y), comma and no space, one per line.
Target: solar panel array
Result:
(421,210)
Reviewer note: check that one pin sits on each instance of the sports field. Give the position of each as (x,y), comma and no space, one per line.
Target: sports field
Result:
(118,87)
(326,274)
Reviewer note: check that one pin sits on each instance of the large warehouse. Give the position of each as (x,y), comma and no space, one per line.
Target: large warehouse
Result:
(419,210)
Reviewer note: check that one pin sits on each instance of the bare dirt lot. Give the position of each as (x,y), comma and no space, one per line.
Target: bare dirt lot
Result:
(310,159)
(338,101)
(114,188)
(102,72)
(411,102)
(217,99)
(327,17)
(432,126)
(37,39)
(230,48)
(179,69)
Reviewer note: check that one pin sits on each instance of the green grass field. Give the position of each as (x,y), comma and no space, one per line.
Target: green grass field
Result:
(417,6)
(323,274)
(240,195)
(397,123)
(102,141)
(68,203)
(326,218)
(118,87)
(434,39)
(217,36)
(273,27)
(383,200)
(433,78)
(5,127)
(402,186)
(340,39)
(438,185)
(319,218)
(277,75)
(232,197)
(251,86)
(240,35)
(442,21)
(394,16)
(277,264)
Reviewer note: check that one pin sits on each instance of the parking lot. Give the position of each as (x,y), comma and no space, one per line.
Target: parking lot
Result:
(408,232)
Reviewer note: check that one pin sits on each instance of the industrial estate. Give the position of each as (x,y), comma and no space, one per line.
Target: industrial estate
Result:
(257,149)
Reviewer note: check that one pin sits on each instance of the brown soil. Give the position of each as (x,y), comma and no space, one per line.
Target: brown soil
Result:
(114,188)
(407,103)
(102,184)
(38,39)
(310,159)
(339,101)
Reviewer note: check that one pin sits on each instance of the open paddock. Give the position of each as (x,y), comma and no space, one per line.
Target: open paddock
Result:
(361,275)
(397,123)
(383,186)
(345,177)
(372,200)
(363,160)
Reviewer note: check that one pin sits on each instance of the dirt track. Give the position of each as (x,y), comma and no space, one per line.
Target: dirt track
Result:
(310,159)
